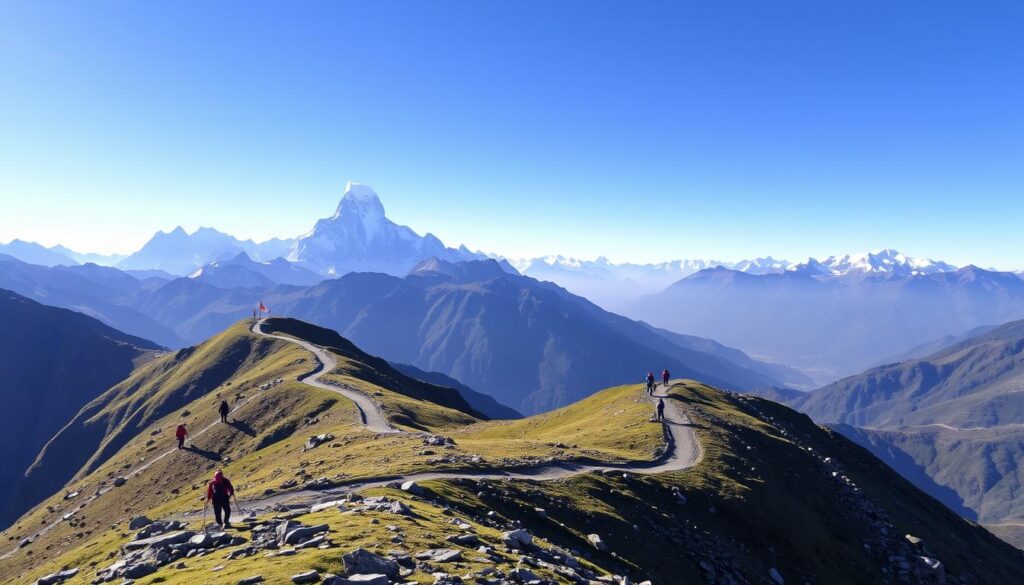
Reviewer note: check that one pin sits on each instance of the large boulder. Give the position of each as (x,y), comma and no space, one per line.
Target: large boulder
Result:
(520,538)
(363,562)
(55,578)
(138,522)
(304,533)
(307,577)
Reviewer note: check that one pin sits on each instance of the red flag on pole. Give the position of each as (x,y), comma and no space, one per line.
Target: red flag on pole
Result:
(263,308)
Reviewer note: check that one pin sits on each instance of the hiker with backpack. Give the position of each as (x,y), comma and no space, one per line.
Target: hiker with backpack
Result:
(650,383)
(664,377)
(219,493)
(181,433)
(661,409)
(224,410)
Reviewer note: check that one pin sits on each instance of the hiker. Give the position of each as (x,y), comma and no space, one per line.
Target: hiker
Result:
(664,377)
(224,410)
(219,493)
(661,409)
(180,434)
(650,383)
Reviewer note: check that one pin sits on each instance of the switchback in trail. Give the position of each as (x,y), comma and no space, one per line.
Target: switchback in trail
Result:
(682,450)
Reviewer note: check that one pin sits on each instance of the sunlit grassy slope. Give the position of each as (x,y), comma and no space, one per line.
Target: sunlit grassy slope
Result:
(761,497)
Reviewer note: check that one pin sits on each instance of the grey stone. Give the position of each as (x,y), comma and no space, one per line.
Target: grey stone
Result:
(60,577)
(519,538)
(162,540)
(440,555)
(363,562)
(139,570)
(304,533)
(412,487)
(138,522)
(595,539)
(397,507)
(251,580)
(307,577)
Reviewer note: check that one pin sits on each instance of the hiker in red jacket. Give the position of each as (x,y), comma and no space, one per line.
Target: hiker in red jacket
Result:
(219,492)
(664,377)
(180,434)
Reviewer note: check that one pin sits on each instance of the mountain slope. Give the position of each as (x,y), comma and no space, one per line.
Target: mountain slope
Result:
(480,402)
(952,422)
(531,345)
(764,470)
(103,293)
(52,362)
(360,238)
(974,383)
(829,326)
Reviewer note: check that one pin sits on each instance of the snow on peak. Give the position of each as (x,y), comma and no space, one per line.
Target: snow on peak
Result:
(360,191)
(884,262)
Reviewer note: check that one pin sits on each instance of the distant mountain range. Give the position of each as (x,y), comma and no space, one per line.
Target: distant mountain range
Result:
(830,323)
(52,363)
(952,422)
(616,286)
(529,344)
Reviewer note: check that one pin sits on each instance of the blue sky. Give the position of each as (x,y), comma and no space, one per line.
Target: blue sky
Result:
(638,131)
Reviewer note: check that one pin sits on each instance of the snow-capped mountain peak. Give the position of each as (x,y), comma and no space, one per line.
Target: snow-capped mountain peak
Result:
(360,237)
(886,262)
(361,201)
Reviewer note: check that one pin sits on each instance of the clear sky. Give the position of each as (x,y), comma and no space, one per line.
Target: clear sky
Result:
(641,131)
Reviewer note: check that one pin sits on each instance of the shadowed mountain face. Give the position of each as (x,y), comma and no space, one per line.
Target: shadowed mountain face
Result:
(951,422)
(531,345)
(975,383)
(828,325)
(52,362)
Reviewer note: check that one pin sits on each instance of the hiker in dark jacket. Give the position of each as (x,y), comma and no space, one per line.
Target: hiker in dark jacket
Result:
(650,383)
(664,377)
(180,433)
(219,493)
(661,409)
(224,410)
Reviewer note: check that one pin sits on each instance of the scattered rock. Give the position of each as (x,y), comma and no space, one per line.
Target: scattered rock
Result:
(595,539)
(251,580)
(363,562)
(138,522)
(440,555)
(412,487)
(519,538)
(307,577)
(54,578)
(119,481)
(317,440)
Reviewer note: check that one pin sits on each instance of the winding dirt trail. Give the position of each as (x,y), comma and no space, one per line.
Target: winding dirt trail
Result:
(682,451)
